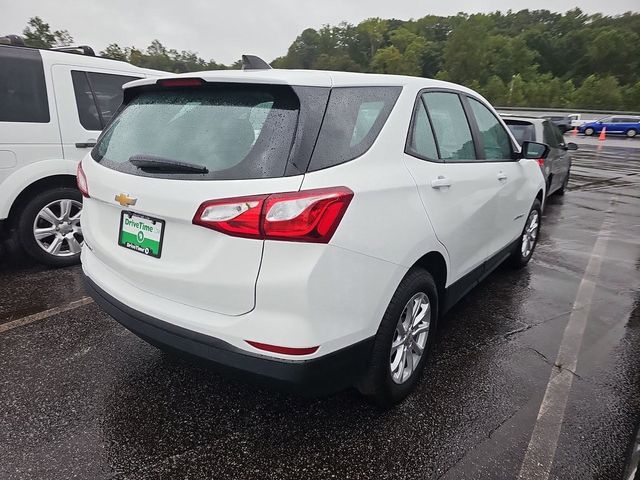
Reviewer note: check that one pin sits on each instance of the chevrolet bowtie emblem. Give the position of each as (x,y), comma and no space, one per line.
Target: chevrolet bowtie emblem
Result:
(125,200)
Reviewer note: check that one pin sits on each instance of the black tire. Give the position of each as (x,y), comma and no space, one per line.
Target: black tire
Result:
(518,258)
(632,132)
(563,188)
(589,131)
(26,221)
(377,384)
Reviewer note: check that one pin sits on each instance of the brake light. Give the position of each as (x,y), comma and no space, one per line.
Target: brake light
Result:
(181,82)
(285,350)
(305,216)
(540,162)
(81,180)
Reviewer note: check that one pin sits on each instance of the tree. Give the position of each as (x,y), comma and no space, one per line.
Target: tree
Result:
(115,52)
(465,53)
(38,34)
(599,93)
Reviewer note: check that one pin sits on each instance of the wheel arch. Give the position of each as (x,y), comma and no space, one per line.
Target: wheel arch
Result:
(435,263)
(40,185)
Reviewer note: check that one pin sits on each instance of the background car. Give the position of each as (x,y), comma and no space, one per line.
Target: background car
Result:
(53,105)
(623,125)
(556,168)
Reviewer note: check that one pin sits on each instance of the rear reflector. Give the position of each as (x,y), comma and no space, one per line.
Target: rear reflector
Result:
(81,180)
(305,216)
(181,82)
(285,350)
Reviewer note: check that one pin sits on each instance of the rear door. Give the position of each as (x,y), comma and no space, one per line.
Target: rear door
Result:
(87,99)
(456,188)
(243,135)
(554,164)
(512,200)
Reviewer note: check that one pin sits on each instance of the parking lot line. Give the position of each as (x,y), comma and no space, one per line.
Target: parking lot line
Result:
(44,314)
(544,438)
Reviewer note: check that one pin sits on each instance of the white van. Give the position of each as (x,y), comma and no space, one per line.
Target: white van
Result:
(53,106)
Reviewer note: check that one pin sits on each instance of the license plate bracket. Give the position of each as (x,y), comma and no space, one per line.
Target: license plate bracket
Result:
(141,233)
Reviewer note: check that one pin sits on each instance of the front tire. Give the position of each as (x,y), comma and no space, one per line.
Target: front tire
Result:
(589,131)
(529,239)
(49,228)
(403,341)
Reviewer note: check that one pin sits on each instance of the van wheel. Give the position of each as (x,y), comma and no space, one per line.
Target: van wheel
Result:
(529,239)
(403,341)
(49,227)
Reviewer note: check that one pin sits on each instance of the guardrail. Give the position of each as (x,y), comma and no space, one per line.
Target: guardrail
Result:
(568,110)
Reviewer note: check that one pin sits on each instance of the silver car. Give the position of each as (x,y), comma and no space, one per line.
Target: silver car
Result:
(556,167)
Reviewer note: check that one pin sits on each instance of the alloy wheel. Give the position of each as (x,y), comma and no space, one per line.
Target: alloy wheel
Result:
(57,229)
(530,234)
(410,338)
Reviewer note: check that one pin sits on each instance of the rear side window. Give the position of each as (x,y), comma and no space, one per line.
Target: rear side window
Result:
(495,139)
(450,126)
(352,122)
(236,131)
(549,134)
(523,131)
(23,91)
(422,143)
(98,96)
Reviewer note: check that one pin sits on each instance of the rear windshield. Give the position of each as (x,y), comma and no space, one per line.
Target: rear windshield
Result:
(523,131)
(234,131)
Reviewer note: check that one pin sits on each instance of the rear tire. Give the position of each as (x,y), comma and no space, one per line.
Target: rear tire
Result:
(563,188)
(383,384)
(65,238)
(525,246)
(589,131)
(632,132)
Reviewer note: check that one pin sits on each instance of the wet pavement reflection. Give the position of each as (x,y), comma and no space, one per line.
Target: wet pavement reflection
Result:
(82,397)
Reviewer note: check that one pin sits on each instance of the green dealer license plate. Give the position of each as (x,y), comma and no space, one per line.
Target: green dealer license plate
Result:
(141,233)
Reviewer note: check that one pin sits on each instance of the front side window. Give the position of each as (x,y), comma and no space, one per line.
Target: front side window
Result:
(23,90)
(450,126)
(234,131)
(495,139)
(98,96)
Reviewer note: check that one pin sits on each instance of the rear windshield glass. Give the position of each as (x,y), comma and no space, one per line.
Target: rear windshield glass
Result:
(233,131)
(354,118)
(524,132)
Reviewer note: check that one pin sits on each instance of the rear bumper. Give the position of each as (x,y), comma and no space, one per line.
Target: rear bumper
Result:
(321,375)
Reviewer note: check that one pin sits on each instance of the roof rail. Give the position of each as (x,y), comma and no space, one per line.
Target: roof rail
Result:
(252,62)
(79,49)
(15,40)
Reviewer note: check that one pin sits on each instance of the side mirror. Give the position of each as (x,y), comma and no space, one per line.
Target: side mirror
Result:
(572,146)
(534,150)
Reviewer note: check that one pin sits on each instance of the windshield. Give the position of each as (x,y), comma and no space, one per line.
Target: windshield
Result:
(234,131)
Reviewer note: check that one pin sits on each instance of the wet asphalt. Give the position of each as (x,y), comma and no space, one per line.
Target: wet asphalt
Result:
(81,397)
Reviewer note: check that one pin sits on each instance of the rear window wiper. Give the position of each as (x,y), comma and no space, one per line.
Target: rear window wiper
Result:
(165,165)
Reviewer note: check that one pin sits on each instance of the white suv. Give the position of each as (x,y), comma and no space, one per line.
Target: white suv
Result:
(53,105)
(308,227)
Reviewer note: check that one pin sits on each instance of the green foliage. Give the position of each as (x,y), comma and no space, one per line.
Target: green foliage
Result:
(530,58)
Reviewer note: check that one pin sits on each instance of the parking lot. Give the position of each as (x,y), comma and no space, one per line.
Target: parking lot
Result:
(82,397)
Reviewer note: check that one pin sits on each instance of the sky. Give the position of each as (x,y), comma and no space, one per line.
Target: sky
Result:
(224,30)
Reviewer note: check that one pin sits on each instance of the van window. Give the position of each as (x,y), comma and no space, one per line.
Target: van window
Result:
(239,131)
(23,90)
(98,96)
(450,126)
(354,118)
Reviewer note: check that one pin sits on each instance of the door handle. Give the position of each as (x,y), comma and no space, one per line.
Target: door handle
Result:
(502,176)
(441,182)
(86,145)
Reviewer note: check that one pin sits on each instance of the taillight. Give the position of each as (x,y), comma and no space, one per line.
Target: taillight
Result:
(239,216)
(540,162)
(306,216)
(81,180)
